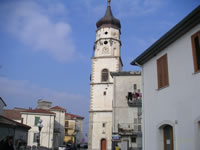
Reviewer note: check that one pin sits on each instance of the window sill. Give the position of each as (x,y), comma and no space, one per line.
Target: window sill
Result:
(162,88)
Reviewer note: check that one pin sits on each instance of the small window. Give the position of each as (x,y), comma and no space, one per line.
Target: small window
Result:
(133,139)
(139,128)
(162,72)
(105,42)
(104,93)
(104,75)
(135,87)
(35,137)
(106,32)
(103,125)
(196,51)
(37,120)
(66,124)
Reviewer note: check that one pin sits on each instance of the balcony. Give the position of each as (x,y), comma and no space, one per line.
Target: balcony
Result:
(129,129)
(134,99)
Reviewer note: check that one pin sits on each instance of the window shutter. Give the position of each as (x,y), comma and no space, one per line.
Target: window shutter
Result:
(162,71)
(196,50)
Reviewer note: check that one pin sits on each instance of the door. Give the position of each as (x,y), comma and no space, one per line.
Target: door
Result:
(168,138)
(103,144)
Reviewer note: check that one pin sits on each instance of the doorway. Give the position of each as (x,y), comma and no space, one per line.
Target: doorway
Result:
(168,137)
(103,144)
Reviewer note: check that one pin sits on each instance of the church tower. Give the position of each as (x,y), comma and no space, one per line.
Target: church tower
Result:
(106,58)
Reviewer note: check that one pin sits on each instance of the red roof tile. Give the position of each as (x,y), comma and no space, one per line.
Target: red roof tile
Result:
(58,108)
(12,114)
(41,111)
(73,116)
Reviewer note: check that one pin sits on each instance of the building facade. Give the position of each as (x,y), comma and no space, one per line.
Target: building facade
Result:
(170,70)
(31,118)
(127,103)
(59,124)
(106,58)
(73,129)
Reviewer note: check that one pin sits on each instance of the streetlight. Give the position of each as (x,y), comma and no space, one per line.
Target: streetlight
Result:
(40,125)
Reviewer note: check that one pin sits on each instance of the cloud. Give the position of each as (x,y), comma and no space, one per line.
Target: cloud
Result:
(37,27)
(22,93)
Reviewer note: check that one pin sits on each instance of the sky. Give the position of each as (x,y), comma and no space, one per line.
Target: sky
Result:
(46,45)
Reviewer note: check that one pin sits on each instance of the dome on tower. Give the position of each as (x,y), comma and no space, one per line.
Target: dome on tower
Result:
(108,20)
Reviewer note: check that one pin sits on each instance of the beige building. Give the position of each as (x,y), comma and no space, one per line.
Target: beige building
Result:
(106,59)
(31,118)
(73,129)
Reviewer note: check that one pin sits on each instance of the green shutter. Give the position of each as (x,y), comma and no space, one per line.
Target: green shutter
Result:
(37,120)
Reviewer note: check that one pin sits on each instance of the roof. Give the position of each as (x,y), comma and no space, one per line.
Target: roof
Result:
(126,73)
(172,35)
(3,101)
(58,108)
(40,111)
(72,116)
(12,114)
(7,121)
(108,20)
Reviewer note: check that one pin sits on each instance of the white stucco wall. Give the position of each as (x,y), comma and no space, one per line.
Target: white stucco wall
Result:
(59,125)
(178,104)
(46,137)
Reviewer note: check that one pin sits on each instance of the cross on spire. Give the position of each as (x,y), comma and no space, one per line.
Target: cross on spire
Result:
(109,2)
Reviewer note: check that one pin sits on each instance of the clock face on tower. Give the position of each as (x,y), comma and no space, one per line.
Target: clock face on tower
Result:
(105,50)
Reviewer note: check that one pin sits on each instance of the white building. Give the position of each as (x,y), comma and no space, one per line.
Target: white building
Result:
(59,124)
(127,105)
(171,76)
(106,59)
(31,118)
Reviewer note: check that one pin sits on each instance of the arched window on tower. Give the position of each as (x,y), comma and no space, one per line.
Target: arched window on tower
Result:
(104,75)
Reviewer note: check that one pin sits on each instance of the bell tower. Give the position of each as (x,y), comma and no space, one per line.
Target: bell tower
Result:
(106,58)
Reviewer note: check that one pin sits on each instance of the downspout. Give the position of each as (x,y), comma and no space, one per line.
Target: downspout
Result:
(143,114)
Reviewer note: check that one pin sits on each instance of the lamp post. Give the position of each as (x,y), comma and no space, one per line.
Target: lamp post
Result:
(40,125)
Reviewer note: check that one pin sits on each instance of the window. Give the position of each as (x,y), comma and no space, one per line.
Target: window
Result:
(162,71)
(35,137)
(135,87)
(133,139)
(196,51)
(104,75)
(66,124)
(37,120)
(168,137)
(104,125)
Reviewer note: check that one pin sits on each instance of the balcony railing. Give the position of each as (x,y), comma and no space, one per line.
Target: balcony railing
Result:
(129,129)
(134,99)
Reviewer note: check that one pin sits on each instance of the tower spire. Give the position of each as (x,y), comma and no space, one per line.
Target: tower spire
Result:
(109,2)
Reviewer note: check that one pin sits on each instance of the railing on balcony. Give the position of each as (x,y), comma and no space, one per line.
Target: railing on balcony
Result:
(129,129)
(134,99)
